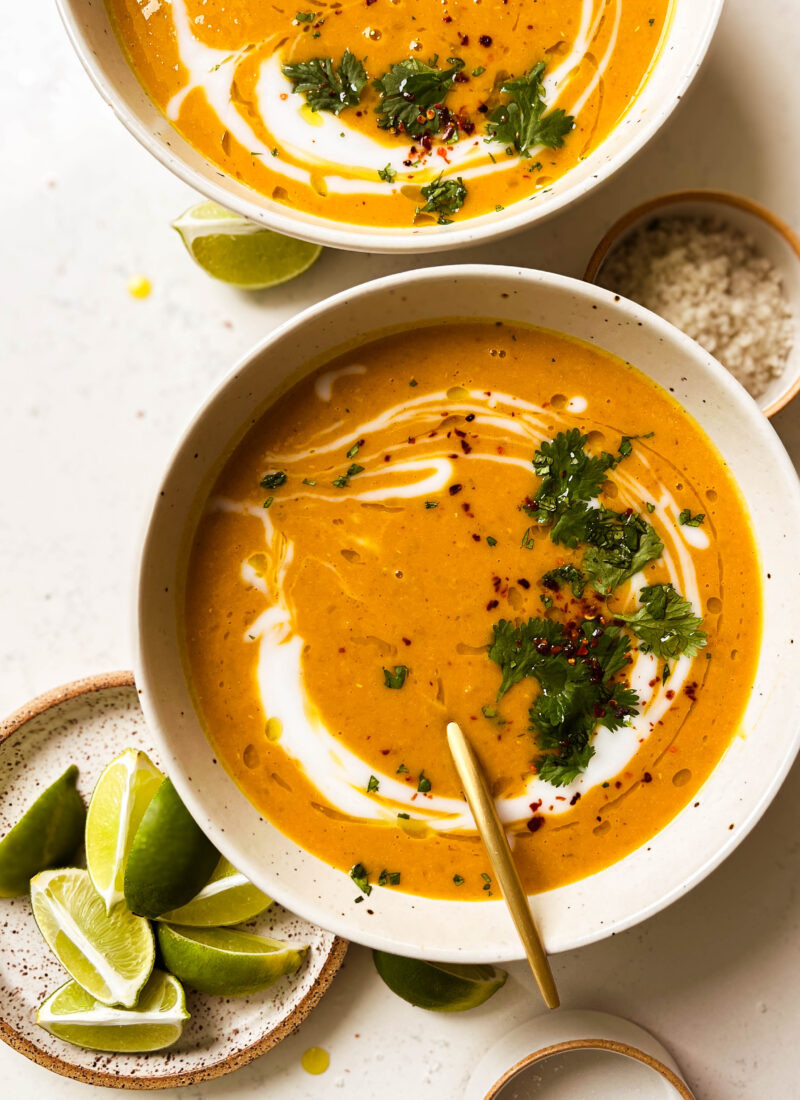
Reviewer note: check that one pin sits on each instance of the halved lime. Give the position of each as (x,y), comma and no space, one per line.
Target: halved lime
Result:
(224,961)
(170,859)
(75,1016)
(48,834)
(239,251)
(441,987)
(227,898)
(122,794)
(110,954)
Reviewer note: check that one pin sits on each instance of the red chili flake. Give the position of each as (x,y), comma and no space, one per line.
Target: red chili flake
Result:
(485,40)
(670,694)
(618,784)
(647,778)
(385,752)
(463,38)
(477,538)
(575,798)
(387,458)
(523,583)
(461,78)
(412,439)
(537,805)
(491,605)
(483,109)
(465,447)
(469,417)
(535,824)
(459,433)
(455,489)
(406,641)
(690,690)
(447,19)
(468,126)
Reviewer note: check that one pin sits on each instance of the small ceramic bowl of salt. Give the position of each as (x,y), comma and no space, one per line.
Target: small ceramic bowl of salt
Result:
(724,270)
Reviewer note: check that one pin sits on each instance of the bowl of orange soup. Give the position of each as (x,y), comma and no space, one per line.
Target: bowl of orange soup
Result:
(495,496)
(393,125)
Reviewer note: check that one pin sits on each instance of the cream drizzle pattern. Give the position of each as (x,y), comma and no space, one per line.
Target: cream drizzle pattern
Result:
(315,139)
(339,774)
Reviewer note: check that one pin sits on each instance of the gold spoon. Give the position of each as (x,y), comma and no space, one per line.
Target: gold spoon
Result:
(494,839)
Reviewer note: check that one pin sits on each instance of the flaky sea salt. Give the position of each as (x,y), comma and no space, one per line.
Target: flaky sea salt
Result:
(711,281)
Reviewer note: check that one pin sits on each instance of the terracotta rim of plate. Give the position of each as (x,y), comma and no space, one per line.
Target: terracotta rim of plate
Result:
(591,1044)
(87,686)
(675,198)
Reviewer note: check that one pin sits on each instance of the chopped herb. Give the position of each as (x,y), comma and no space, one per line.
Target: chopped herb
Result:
(304,17)
(340,482)
(665,623)
(528,542)
(353,450)
(389,878)
(569,574)
(443,197)
(431,503)
(387,174)
(328,88)
(402,770)
(273,481)
(406,817)
(666,673)
(268,501)
(372,785)
(521,122)
(413,382)
(650,507)
(458,880)
(308,481)
(424,784)
(488,710)
(491,541)
(412,96)
(354,469)
(686,519)
(395,679)
(487,882)
(360,876)
(499,207)
(479,71)
(547,601)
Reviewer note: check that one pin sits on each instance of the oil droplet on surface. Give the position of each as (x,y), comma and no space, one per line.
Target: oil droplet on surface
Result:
(681,778)
(250,757)
(274,729)
(457,393)
(139,286)
(315,1060)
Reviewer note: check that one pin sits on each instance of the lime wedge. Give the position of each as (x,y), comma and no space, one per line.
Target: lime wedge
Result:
(239,251)
(224,961)
(119,800)
(48,833)
(441,987)
(170,859)
(110,954)
(227,898)
(75,1016)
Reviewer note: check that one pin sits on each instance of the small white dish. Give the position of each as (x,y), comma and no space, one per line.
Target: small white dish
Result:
(88,723)
(697,839)
(578,1055)
(691,27)
(775,239)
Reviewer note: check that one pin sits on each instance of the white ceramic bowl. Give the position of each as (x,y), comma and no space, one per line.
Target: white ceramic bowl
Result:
(697,839)
(690,31)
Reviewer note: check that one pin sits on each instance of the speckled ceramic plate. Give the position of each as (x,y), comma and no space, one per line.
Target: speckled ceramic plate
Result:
(88,723)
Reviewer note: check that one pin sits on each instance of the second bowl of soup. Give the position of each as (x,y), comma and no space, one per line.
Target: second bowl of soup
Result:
(520,505)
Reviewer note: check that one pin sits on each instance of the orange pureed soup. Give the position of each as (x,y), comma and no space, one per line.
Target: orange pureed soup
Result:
(393,112)
(484,523)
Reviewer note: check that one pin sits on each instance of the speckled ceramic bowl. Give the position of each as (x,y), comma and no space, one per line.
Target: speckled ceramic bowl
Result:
(698,838)
(688,36)
(88,723)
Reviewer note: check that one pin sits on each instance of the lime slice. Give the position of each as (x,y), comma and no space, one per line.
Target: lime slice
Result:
(119,800)
(110,954)
(239,251)
(227,898)
(75,1016)
(442,987)
(48,833)
(170,859)
(224,961)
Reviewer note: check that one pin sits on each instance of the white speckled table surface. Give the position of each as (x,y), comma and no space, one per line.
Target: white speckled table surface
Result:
(96,387)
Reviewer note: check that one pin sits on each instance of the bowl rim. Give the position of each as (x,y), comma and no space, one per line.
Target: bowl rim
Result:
(329,233)
(14,723)
(312,910)
(613,237)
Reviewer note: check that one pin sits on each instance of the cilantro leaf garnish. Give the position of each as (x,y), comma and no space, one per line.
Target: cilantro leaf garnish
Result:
(458,880)
(373,784)
(395,679)
(521,123)
(423,783)
(328,87)
(569,475)
(412,96)
(388,878)
(443,197)
(516,648)
(360,876)
(686,519)
(387,174)
(665,623)
(621,543)
(273,481)
(569,574)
